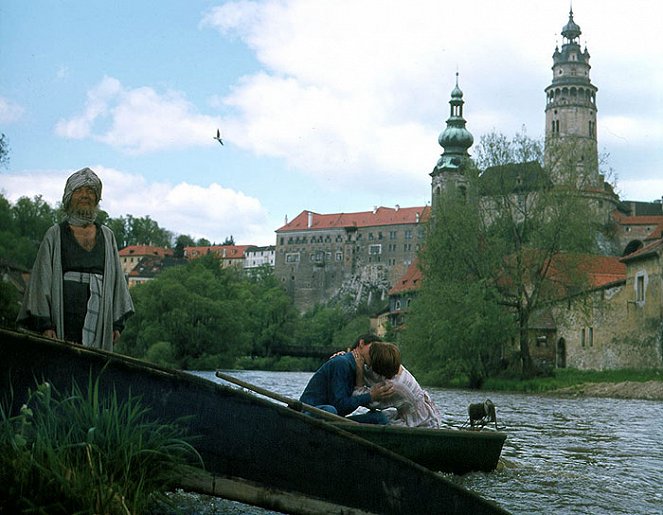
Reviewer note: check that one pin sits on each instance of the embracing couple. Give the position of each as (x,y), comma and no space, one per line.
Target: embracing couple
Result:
(372,376)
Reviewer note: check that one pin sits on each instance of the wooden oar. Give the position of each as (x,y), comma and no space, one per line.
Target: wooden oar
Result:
(292,403)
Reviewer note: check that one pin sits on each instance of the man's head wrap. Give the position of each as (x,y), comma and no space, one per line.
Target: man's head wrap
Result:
(84,177)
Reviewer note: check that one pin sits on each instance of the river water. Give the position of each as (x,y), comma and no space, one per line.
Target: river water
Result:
(562,456)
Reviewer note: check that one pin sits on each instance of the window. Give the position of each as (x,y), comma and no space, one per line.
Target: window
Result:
(374,250)
(640,288)
(292,258)
(587,336)
(408,234)
(392,235)
(339,256)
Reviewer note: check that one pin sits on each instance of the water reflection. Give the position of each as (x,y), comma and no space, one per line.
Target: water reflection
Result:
(562,456)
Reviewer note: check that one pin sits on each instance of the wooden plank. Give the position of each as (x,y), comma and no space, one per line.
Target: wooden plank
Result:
(248,492)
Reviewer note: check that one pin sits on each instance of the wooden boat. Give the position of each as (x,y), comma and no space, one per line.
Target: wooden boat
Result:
(443,450)
(256,451)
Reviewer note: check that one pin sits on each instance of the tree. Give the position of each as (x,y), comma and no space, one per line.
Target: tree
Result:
(33,217)
(132,230)
(456,326)
(229,240)
(496,253)
(181,242)
(22,227)
(202,316)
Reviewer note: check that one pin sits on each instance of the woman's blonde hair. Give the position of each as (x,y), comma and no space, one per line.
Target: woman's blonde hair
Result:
(385,359)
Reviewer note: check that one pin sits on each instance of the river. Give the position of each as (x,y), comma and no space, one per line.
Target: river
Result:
(562,456)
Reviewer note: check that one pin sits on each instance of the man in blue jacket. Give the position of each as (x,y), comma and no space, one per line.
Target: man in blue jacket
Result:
(330,388)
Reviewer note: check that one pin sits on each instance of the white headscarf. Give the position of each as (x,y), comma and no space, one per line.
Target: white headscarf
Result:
(83,177)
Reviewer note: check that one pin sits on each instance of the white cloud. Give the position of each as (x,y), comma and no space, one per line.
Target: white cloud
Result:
(360,89)
(212,212)
(10,112)
(139,120)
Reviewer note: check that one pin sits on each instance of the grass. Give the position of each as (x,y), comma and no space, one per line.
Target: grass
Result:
(81,453)
(566,377)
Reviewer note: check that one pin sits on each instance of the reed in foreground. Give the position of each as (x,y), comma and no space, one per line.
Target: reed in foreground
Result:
(81,453)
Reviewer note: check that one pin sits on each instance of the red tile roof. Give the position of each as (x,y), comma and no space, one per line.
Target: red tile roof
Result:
(410,281)
(377,217)
(145,250)
(603,270)
(623,219)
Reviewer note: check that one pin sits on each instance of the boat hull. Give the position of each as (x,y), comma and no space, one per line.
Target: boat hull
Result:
(442,450)
(242,436)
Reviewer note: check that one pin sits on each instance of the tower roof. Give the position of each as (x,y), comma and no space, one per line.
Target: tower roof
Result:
(455,138)
(571,30)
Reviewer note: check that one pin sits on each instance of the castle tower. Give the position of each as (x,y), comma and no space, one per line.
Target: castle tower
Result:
(455,140)
(571,111)
(571,149)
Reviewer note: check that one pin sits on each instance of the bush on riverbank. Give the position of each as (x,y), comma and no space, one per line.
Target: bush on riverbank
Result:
(566,377)
(79,453)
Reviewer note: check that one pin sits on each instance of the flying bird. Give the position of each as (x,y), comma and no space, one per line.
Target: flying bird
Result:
(218,136)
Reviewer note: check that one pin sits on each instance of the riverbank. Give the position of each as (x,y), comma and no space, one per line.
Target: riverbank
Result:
(647,390)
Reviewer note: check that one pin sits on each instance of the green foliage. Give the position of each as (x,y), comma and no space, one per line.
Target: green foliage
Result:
(10,300)
(131,230)
(568,377)
(203,316)
(161,353)
(80,453)
(22,227)
(330,326)
(456,325)
(182,241)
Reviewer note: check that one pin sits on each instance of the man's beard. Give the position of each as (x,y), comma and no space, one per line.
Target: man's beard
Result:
(82,216)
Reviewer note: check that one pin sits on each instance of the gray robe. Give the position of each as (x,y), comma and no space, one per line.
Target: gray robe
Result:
(43,297)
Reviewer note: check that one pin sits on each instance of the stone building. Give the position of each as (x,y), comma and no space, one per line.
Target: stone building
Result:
(320,256)
(617,325)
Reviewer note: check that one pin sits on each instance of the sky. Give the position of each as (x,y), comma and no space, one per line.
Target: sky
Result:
(324,105)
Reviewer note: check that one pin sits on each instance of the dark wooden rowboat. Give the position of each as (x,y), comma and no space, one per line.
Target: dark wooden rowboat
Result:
(443,450)
(257,451)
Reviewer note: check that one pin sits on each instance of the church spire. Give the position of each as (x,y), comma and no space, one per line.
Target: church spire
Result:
(455,139)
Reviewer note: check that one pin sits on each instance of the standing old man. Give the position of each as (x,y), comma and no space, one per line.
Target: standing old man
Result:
(77,291)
